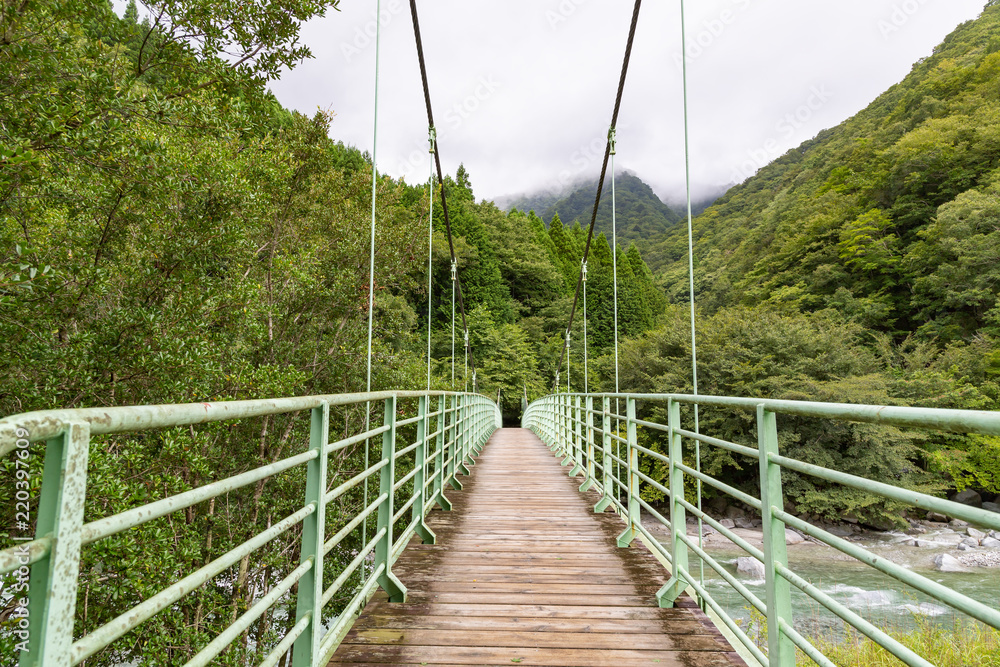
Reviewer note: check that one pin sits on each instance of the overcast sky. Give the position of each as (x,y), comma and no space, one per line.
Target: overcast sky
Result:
(523,90)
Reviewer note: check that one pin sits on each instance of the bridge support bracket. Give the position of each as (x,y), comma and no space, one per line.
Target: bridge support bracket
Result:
(577,469)
(393,587)
(462,469)
(602,504)
(425,534)
(627,537)
(442,501)
(666,596)
(566,461)
(455,484)
(588,484)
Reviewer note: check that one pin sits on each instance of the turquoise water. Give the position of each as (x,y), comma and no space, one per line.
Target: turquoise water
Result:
(866,591)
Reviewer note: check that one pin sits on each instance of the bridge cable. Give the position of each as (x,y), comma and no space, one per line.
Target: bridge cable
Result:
(371,264)
(431,138)
(694,343)
(586,372)
(604,169)
(614,249)
(444,202)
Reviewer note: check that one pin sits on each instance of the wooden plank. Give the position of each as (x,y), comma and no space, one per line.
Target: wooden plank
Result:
(523,572)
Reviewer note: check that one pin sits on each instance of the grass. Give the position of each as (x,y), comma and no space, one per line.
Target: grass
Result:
(962,644)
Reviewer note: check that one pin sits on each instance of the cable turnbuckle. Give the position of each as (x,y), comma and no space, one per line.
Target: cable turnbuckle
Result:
(432,139)
(611,140)
(584,268)
(454,270)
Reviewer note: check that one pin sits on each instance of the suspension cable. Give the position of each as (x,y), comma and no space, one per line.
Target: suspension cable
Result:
(694,342)
(604,169)
(586,371)
(614,248)
(431,138)
(440,175)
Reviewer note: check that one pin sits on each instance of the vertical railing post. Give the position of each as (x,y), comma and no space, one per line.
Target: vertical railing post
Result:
(455,444)
(309,602)
(472,415)
(631,477)
(606,489)
(439,458)
(589,481)
(417,514)
(462,451)
(577,450)
(678,521)
(53,580)
(780,650)
(387,477)
(566,441)
(556,422)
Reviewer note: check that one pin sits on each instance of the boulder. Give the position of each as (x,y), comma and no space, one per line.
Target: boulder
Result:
(734,512)
(990,542)
(969,542)
(968,497)
(792,537)
(957,524)
(750,566)
(727,523)
(936,517)
(946,563)
(974,533)
(964,547)
(992,507)
(742,522)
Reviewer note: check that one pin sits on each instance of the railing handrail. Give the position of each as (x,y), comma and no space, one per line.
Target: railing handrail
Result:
(44,424)
(943,419)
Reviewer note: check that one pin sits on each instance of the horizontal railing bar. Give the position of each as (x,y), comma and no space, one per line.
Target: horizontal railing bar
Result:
(655,455)
(352,566)
(346,617)
(354,439)
(723,444)
(116,628)
(354,523)
(730,623)
(26,553)
(866,628)
(656,514)
(747,594)
(958,421)
(221,642)
(285,644)
(733,537)
(947,595)
(354,481)
(404,538)
(406,450)
(102,528)
(410,420)
(652,425)
(922,500)
(649,480)
(45,424)
(804,644)
(407,505)
(721,486)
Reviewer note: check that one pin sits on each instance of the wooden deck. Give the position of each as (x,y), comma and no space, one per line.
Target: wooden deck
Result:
(524,573)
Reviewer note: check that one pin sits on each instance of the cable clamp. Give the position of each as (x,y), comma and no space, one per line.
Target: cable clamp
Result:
(584,268)
(466,339)
(567,339)
(557,379)
(432,139)
(611,140)
(454,270)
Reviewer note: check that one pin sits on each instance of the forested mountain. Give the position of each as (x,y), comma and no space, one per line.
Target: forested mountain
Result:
(641,216)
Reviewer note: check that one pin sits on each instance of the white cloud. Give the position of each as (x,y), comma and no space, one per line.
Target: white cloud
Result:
(521,88)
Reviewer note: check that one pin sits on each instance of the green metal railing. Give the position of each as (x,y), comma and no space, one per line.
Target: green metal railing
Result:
(450,429)
(592,435)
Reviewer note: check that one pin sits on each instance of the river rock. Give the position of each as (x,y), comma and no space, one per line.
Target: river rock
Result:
(964,547)
(727,523)
(992,507)
(990,542)
(968,497)
(839,531)
(957,524)
(742,522)
(946,563)
(750,566)
(791,537)
(937,517)
(975,533)
(969,542)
